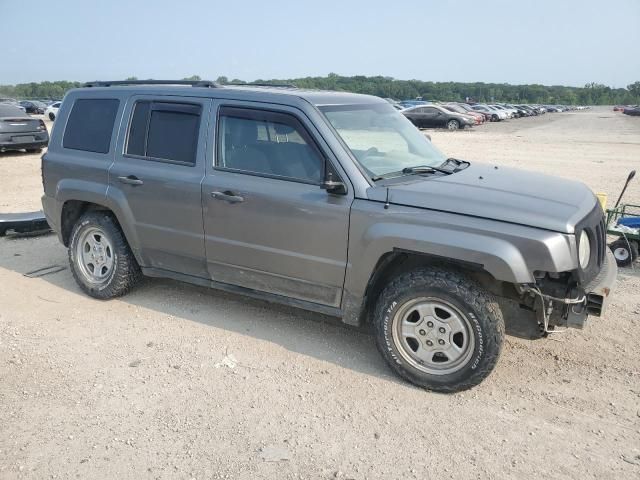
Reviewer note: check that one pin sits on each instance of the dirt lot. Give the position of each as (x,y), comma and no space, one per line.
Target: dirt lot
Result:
(175,381)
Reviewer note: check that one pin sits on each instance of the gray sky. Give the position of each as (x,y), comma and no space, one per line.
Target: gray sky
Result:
(567,42)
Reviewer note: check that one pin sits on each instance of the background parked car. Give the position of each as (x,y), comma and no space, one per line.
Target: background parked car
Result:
(426,116)
(529,110)
(455,108)
(33,106)
(511,113)
(467,108)
(496,115)
(633,111)
(51,112)
(13,102)
(18,130)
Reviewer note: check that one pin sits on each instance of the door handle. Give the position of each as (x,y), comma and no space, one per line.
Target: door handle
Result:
(227,196)
(131,180)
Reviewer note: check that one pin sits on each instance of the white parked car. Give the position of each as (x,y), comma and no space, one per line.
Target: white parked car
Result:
(510,113)
(496,114)
(52,111)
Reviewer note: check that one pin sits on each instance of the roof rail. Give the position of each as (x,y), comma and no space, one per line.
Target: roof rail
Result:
(259,84)
(193,83)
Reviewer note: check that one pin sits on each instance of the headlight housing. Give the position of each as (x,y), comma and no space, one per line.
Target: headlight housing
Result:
(584,250)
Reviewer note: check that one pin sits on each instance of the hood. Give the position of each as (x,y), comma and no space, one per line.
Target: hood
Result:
(497,193)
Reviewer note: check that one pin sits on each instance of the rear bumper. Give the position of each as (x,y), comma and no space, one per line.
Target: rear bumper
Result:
(51,211)
(16,141)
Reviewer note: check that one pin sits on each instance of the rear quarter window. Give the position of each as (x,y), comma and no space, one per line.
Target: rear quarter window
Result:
(90,124)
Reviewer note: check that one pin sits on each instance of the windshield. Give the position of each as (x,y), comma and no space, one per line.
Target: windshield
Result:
(381,138)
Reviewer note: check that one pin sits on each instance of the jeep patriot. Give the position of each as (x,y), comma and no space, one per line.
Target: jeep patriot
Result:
(328,201)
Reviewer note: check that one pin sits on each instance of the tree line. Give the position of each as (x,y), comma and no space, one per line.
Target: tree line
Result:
(388,87)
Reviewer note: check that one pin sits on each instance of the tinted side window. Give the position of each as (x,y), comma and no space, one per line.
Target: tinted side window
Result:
(173,136)
(269,143)
(136,145)
(90,125)
(166,131)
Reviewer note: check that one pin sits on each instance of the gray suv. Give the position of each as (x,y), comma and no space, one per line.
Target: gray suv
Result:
(330,202)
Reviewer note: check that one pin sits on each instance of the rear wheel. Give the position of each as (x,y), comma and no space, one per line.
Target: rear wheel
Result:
(34,150)
(453,125)
(438,329)
(624,251)
(100,258)
(52,116)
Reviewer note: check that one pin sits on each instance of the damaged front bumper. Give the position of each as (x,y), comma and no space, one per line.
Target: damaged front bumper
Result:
(597,294)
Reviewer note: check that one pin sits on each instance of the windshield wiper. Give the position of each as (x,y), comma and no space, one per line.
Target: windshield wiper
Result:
(458,163)
(417,170)
(426,169)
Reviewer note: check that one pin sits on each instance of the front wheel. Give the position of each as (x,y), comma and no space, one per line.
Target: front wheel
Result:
(624,251)
(100,258)
(52,116)
(453,125)
(438,329)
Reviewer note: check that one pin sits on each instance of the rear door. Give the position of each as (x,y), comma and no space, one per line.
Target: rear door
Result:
(413,116)
(269,226)
(157,172)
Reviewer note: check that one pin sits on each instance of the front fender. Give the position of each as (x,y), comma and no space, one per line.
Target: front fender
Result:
(509,252)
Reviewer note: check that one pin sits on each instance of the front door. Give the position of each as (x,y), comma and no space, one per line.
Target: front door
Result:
(157,173)
(268,224)
(433,117)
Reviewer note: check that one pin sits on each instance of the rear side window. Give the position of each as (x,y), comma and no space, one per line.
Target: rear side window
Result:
(90,124)
(164,131)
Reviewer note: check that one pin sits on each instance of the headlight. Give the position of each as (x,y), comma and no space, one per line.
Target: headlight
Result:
(584,250)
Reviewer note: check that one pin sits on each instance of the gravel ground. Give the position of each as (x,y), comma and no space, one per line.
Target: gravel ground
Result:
(175,381)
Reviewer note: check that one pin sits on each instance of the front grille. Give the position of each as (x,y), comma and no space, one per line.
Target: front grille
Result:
(600,236)
(595,226)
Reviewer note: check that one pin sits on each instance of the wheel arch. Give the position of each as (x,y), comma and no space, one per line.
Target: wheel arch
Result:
(73,208)
(397,261)
(74,197)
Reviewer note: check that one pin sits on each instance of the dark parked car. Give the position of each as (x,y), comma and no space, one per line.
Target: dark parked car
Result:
(429,116)
(19,131)
(633,111)
(33,106)
(528,111)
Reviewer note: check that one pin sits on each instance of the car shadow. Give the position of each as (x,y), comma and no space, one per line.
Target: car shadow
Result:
(322,337)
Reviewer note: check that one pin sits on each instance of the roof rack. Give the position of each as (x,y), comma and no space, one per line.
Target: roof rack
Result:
(259,84)
(193,83)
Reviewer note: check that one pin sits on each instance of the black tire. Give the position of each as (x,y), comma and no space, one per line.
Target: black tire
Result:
(453,124)
(34,150)
(495,118)
(124,274)
(482,313)
(52,116)
(624,251)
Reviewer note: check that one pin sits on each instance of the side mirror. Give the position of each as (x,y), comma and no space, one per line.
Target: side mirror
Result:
(333,186)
